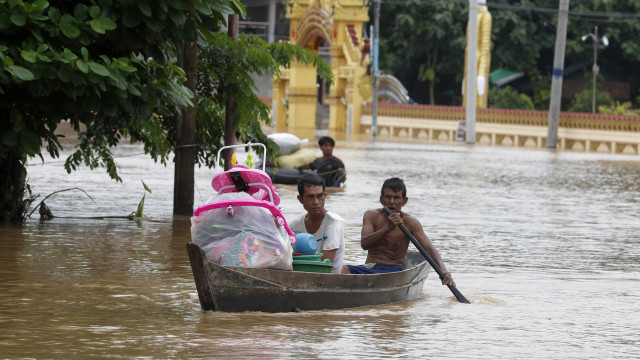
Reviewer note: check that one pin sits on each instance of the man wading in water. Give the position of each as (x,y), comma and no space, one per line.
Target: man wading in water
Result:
(328,166)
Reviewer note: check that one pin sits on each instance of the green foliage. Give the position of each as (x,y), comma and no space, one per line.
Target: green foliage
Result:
(619,109)
(224,68)
(139,211)
(583,101)
(108,68)
(509,98)
(541,86)
(422,42)
(523,39)
(103,65)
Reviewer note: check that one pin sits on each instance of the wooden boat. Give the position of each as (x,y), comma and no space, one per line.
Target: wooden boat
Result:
(236,289)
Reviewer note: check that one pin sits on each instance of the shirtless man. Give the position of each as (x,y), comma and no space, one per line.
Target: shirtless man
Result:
(386,244)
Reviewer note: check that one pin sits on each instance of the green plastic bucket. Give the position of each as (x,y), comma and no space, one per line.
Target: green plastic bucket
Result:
(306,257)
(312,266)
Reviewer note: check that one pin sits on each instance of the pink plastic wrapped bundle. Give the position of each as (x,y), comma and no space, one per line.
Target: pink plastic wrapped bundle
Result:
(235,229)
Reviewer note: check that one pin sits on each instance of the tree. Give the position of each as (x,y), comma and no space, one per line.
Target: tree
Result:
(419,42)
(223,63)
(523,39)
(106,66)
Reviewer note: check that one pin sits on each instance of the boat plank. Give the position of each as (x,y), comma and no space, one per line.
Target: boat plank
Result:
(198,261)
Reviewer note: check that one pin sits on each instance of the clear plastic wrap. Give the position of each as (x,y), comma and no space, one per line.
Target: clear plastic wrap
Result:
(245,236)
(287,143)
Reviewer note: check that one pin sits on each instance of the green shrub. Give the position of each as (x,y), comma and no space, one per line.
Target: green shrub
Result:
(583,101)
(509,98)
(618,109)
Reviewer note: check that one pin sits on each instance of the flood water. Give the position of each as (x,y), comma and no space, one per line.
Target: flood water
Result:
(544,244)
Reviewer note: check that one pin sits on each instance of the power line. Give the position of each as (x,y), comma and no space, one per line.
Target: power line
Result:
(553,11)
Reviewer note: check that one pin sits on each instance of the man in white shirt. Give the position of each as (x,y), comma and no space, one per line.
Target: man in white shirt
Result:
(320,222)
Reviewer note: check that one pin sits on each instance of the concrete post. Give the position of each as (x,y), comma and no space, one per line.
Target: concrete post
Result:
(376,35)
(272,22)
(558,70)
(470,88)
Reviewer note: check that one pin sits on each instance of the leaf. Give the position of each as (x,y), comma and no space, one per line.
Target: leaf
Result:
(143,5)
(124,66)
(97,26)
(37,17)
(30,141)
(54,15)
(94,11)
(177,17)
(146,187)
(80,12)
(70,30)
(39,5)
(133,90)
(177,69)
(107,23)
(239,8)
(18,18)
(20,72)
(98,69)
(140,207)
(82,66)
(69,55)
(29,56)
(43,58)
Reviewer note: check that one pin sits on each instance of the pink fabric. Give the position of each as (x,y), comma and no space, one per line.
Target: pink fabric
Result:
(249,176)
(249,202)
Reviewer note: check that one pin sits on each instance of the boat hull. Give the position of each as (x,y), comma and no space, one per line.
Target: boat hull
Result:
(236,289)
(287,176)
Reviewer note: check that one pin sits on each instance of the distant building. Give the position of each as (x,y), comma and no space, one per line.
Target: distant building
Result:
(266,19)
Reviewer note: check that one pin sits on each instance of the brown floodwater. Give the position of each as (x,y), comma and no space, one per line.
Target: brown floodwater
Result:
(545,244)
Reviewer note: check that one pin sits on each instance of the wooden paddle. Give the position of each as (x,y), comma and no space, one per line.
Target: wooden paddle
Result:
(424,253)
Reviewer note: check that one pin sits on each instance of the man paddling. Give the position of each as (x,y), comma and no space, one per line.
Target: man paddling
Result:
(386,244)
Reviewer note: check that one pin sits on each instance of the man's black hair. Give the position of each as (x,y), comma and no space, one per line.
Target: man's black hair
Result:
(326,139)
(395,184)
(309,179)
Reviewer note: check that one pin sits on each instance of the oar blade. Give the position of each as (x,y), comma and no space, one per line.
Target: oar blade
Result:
(458,295)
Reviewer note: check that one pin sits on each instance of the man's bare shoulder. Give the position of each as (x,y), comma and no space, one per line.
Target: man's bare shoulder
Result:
(372,213)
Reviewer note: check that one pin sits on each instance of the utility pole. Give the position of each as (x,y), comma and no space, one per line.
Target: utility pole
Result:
(472,70)
(558,71)
(376,35)
(596,69)
(230,109)
(271,29)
